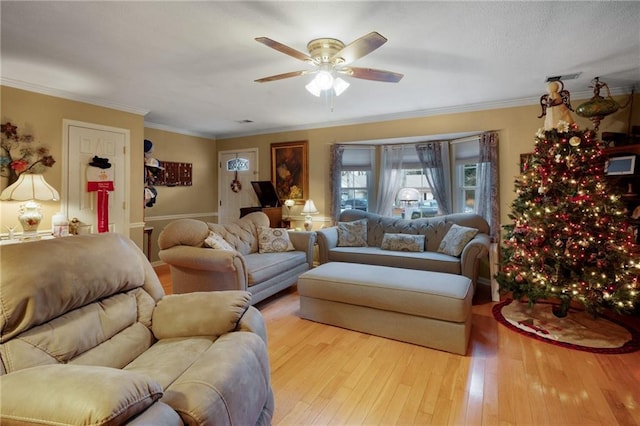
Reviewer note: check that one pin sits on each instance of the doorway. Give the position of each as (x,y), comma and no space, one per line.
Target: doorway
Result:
(234,186)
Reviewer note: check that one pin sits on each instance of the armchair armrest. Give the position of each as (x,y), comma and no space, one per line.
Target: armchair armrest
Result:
(253,322)
(304,241)
(87,394)
(327,239)
(471,255)
(199,314)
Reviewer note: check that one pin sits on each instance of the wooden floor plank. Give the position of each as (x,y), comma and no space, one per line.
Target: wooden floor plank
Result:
(327,375)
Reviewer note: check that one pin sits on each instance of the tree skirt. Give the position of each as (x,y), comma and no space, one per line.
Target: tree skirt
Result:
(578,330)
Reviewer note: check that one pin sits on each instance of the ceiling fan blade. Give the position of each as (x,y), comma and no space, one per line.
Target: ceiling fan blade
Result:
(371,74)
(284,49)
(361,47)
(283,76)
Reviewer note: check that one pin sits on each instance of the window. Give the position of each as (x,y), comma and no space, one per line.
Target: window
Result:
(468,186)
(415,199)
(354,189)
(364,184)
(356,177)
(466,154)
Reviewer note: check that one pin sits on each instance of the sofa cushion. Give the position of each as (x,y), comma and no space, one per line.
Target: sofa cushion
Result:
(273,240)
(215,241)
(426,260)
(433,228)
(264,266)
(455,240)
(120,395)
(402,242)
(352,234)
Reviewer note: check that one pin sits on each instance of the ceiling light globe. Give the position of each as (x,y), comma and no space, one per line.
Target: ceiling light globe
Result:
(324,80)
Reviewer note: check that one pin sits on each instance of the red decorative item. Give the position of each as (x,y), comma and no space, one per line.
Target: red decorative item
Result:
(100,179)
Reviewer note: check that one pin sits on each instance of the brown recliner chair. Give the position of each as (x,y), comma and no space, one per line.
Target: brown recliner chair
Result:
(87,336)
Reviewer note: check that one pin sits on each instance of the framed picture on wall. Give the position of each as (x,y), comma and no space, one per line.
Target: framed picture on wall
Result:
(289,171)
(525,162)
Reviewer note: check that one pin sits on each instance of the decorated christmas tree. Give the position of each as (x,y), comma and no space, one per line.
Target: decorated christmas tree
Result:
(569,238)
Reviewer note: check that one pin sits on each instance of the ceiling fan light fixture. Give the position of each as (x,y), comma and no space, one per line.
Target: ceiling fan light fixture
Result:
(324,80)
(339,86)
(316,88)
(313,88)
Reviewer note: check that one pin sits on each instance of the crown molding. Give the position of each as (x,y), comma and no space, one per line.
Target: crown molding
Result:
(31,87)
(172,129)
(456,109)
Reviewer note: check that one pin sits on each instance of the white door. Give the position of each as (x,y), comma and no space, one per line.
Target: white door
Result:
(83,142)
(230,201)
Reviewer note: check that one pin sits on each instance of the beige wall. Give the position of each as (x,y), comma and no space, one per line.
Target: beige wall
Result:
(517,127)
(41,116)
(197,201)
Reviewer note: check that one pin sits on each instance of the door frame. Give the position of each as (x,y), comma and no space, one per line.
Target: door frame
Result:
(66,123)
(222,187)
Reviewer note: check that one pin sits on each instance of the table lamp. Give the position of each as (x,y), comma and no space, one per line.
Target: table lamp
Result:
(309,209)
(286,222)
(30,187)
(289,204)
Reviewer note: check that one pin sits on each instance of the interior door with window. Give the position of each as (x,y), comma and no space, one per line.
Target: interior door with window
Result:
(236,170)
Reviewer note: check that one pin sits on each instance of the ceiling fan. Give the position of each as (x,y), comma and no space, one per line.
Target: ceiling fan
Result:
(329,57)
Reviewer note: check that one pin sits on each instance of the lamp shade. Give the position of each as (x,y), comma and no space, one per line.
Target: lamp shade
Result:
(408,194)
(319,85)
(30,187)
(309,208)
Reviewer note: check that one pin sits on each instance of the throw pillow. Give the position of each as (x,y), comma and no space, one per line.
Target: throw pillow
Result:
(273,240)
(402,242)
(352,234)
(455,240)
(215,241)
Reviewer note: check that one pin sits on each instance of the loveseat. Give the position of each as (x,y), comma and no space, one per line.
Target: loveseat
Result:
(241,261)
(425,256)
(87,336)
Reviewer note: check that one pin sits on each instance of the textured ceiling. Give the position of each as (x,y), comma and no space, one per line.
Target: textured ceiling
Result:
(191,66)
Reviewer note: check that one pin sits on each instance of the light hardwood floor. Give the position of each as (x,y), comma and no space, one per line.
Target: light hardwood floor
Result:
(323,375)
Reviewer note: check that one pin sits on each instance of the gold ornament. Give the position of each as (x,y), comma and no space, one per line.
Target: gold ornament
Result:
(575,141)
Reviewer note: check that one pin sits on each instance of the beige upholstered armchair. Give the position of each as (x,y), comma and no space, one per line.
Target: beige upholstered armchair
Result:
(87,336)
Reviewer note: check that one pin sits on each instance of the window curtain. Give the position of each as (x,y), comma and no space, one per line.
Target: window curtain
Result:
(488,191)
(434,160)
(390,178)
(335,176)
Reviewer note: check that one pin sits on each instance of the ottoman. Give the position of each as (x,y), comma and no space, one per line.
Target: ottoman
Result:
(431,309)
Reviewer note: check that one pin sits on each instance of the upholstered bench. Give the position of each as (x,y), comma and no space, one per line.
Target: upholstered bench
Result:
(431,309)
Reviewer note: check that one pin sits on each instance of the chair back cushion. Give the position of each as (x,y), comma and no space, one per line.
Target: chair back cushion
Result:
(84,299)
